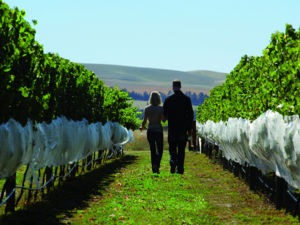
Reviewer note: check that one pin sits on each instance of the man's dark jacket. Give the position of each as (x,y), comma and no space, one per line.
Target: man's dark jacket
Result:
(179,112)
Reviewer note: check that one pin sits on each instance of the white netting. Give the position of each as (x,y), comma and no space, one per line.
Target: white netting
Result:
(61,142)
(270,143)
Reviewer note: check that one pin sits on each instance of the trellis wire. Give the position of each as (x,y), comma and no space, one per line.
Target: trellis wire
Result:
(53,177)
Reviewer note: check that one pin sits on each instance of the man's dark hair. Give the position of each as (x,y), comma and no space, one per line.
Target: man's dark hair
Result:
(177,83)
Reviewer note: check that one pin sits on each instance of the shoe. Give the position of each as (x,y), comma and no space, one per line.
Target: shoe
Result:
(155,169)
(179,171)
(173,167)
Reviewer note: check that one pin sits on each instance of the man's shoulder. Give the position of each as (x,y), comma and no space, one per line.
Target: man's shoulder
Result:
(180,94)
(177,96)
(187,97)
(183,95)
(184,99)
(169,97)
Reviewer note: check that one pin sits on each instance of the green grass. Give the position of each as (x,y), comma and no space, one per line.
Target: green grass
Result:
(205,194)
(124,191)
(139,197)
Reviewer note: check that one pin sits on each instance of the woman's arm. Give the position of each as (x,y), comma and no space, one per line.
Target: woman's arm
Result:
(143,123)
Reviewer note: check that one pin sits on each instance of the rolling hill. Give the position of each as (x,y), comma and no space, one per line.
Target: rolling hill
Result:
(143,79)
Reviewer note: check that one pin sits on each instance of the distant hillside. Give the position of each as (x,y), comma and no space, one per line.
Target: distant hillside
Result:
(214,78)
(144,78)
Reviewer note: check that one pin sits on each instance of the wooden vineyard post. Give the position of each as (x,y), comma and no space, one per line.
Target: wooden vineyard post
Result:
(83,165)
(236,170)
(210,150)
(49,172)
(215,150)
(99,159)
(224,163)
(11,184)
(252,177)
(280,192)
(89,163)
(202,150)
(61,174)
(75,170)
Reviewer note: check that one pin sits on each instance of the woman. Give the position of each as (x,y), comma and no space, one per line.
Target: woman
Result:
(154,114)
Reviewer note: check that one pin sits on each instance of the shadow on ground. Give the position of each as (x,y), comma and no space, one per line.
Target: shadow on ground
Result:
(70,195)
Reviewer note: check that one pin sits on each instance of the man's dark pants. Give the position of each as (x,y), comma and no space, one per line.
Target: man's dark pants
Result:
(177,142)
(155,139)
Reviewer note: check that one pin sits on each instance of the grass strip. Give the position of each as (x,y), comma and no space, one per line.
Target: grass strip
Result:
(137,196)
(205,194)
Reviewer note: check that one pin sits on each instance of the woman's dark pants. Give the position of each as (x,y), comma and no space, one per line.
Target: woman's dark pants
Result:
(155,139)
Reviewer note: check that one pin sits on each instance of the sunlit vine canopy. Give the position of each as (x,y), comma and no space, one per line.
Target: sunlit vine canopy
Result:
(258,84)
(40,87)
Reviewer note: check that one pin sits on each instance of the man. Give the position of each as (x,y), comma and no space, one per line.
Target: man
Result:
(179,113)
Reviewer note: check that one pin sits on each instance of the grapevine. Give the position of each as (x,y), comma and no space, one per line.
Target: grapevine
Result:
(258,84)
(41,87)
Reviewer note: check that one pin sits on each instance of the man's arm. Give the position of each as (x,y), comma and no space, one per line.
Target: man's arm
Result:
(190,114)
(165,109)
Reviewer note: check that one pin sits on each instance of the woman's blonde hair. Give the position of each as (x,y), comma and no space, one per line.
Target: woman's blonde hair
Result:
(154,98)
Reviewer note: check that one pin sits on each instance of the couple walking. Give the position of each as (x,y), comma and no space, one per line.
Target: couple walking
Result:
(177,109)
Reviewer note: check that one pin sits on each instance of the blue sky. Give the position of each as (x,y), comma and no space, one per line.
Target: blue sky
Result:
(166,34)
